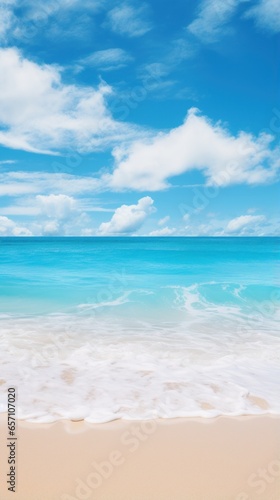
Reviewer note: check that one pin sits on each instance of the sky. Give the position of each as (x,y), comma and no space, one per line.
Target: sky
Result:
(139,118)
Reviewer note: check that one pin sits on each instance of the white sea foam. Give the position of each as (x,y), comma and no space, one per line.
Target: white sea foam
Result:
(137,374)
(217,360)
(123,299)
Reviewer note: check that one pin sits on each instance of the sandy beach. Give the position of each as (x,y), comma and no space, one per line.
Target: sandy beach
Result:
(175,459)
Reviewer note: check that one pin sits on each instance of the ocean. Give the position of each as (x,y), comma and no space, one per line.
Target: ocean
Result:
(139,327)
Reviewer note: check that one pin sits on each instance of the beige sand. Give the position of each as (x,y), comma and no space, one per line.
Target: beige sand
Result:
(180,459)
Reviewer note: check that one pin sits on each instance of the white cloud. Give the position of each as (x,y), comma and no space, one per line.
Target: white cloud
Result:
(39,113)
(30,207)
(244,225)
(165,231)
(108,59)
(164,220)
(50,216)
(44,18)
(180,50)
(6,18)
(61,215)
(267,14)
(128,219)
(42,9)
(243,222)
(128,20)
(75,225)
(149,165)
(20,210)
(59,206)
(212,18)
(51,228)
(197,144)
(9,228)
(186,217)
(23,183)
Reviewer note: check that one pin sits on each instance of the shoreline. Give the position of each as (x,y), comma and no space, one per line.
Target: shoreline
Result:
(222,458)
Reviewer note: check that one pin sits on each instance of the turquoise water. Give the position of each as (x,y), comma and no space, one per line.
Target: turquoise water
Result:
(190,313)
(58,274)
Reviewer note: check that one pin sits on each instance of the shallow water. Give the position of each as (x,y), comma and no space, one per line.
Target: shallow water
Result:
(104,328)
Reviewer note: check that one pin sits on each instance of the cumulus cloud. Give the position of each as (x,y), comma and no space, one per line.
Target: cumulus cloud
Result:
(128,20)
(165,231)
(243,223)
(52,228)
(73,226)
(39,113)
(128,219)
(266,14)
(64,216)
(48,215)
(197,144)
(59,206)
(9,228)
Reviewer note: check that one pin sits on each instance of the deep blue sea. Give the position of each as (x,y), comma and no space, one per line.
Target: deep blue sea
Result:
(105,328)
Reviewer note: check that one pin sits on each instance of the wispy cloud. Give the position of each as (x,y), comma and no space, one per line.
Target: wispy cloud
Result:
(108,59)
(32,206)
(40,8)
(33,18)
(244,224)
(125,19)
(164,220)
(180,49)
(266,14)
(6,18)
(213,18)
(7,162)
(165,231)
(21,209)
(27,183)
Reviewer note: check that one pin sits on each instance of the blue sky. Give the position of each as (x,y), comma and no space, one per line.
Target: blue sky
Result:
(136,118)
